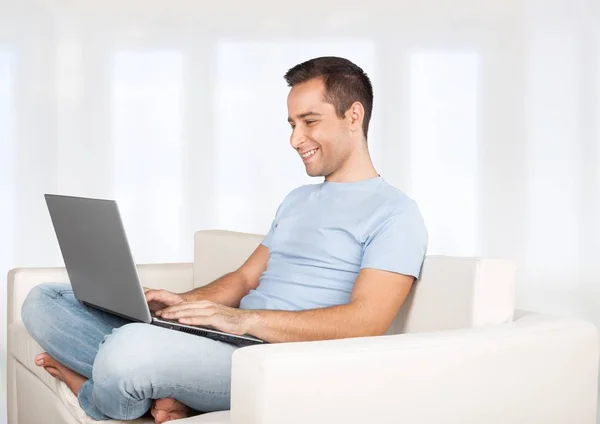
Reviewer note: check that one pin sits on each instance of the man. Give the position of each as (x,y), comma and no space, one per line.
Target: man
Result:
(338,261)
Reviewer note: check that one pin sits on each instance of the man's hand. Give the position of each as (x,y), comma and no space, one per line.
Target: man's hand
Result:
(206,313)
(158,300)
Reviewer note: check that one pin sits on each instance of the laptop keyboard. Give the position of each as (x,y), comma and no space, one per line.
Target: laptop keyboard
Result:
(215,336)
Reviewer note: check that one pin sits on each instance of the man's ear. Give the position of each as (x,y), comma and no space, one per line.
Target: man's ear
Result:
(356,115)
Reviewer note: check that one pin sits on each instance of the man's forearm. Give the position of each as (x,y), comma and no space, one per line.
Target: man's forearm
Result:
(335,322)
(227,290)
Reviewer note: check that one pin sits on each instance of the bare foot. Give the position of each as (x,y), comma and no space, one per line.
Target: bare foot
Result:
(169,409)
(73,380)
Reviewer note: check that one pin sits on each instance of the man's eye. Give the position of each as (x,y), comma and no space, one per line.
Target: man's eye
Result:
(309,122)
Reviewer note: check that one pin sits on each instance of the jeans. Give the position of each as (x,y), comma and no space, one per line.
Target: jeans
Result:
(127,364)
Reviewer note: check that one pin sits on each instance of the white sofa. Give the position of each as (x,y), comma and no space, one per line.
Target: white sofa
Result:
(464,356)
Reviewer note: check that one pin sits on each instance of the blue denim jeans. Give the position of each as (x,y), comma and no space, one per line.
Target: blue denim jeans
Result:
(127,364)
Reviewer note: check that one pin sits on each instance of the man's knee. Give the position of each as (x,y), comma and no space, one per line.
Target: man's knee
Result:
(126,358)
(120,373)
(40,306)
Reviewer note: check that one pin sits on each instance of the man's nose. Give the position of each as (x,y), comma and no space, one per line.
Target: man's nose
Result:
(297,138)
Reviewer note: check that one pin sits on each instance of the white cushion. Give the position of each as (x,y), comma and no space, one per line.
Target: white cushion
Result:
(537,369)
(453,292)
(456,292)
(217,252)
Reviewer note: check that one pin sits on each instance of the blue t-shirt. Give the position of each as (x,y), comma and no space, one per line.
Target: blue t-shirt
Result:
(324,234)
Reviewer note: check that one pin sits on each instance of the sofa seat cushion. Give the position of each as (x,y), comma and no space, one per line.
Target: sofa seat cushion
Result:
(24,349)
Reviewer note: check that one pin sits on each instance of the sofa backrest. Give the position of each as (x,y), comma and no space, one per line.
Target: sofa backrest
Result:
(453,292)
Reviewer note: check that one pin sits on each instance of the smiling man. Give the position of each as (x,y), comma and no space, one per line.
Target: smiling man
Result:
(338,261)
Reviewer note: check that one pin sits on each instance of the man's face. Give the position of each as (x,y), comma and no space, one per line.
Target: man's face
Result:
(319,136)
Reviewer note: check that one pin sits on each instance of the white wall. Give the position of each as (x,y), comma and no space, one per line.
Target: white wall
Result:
(486,112)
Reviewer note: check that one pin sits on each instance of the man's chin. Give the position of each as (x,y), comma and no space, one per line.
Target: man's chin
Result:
(313,173)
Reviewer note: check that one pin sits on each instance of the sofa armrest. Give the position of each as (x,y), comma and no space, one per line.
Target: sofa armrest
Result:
(536,369)
(177,277)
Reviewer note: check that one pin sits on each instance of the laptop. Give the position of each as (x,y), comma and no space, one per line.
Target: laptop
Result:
(101,268)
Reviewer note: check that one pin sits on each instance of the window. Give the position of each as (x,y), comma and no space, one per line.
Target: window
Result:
(554,152)
(256,167)
(147,135)
(444,130)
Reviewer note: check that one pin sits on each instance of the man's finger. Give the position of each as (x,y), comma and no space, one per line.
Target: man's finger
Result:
(206,321)
(151,294)
(186,313)
(161,295)
(189,305)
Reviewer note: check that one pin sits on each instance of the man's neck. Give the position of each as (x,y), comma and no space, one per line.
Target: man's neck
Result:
(355,169)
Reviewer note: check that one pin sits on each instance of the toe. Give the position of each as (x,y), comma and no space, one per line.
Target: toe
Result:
(159,415)
(41,359)
(168,409)
(46,360)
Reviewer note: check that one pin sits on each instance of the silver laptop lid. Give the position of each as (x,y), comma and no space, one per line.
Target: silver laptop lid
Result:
(97,256)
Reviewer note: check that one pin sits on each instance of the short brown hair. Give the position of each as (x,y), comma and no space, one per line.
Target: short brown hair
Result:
(345,83)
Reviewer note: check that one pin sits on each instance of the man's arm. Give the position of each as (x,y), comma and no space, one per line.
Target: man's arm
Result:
(375,301)
(232,287)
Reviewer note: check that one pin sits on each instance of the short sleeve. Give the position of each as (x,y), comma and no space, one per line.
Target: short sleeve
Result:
(398,244)
(267,239)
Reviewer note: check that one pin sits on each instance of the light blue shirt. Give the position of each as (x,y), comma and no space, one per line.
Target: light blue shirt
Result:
(324,234)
